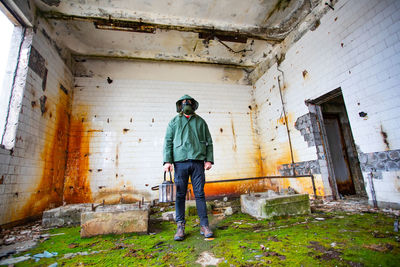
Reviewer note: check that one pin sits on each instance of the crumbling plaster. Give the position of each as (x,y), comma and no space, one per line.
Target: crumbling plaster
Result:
(177,25)
(267,19)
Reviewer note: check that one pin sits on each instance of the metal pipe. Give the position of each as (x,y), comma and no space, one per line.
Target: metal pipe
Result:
(284,116)
(268,177)
(258,178)
(371,185)
(313,185)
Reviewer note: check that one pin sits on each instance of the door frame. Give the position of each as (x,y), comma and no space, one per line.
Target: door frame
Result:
(335,116)
(315,107)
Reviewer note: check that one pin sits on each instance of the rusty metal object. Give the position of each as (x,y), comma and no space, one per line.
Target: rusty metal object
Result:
(94,207)
(121,25)
(372,187)
(260,178)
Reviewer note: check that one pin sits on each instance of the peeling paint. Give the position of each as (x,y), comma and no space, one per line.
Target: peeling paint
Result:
(283,119)
(42,101)
(123,192)
(384,137)
(51,2)
(234,145)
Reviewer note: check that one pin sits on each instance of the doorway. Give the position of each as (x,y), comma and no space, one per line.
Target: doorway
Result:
(337,148)
(340,150)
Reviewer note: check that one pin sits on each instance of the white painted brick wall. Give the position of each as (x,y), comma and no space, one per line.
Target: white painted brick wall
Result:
(367,68)
(22,171)
(151,105)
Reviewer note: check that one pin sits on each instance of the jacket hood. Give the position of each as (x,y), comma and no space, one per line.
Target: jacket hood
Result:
(179,103)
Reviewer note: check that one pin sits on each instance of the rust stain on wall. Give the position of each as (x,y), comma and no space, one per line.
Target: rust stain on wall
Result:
(212,190)
(305,75)
(48,192)
(77,183)
(234,145)
(123,192)
(384,137)
(257,153)
(280,156)
(282,120)
(116,157)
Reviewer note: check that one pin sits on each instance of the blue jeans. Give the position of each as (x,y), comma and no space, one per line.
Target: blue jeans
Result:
(194,169)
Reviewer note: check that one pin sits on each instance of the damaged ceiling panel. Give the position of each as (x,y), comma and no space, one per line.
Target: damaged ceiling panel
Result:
(209,31)
(83,38)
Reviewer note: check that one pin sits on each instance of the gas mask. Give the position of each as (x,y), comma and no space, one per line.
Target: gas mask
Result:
(187,108)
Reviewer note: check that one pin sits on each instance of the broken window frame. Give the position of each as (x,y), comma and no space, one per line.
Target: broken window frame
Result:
(15,76)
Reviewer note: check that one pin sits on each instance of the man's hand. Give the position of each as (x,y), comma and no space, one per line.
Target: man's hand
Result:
(168,167)
(207,165)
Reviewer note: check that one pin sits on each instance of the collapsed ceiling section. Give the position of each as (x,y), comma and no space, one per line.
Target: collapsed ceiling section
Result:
(229,32)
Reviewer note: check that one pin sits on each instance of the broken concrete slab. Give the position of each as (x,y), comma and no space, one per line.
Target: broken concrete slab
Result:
(115,219)
(168,216)
(264,205)
(12,261)
(17,248)
(68,215)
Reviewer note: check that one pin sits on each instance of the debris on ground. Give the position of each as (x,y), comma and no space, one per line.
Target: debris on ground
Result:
(14,260)
(17,248)
(31,231)
(83,253)
(380,247)
(20,238)
(336,233)
(349,204)
(45,254)
(168,216)
(207,258)
(228,211)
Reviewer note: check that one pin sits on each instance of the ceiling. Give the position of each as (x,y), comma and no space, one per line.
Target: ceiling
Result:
(229,32)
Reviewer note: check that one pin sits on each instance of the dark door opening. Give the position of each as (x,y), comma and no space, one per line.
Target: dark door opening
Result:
(340,149)
(337,148)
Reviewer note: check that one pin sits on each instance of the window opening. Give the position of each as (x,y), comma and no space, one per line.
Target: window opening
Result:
(6,31)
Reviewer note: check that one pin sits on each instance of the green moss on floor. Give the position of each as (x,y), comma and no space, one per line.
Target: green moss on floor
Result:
(339,240)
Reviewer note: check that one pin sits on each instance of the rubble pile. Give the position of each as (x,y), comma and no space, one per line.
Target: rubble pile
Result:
(21,238)
(349,204)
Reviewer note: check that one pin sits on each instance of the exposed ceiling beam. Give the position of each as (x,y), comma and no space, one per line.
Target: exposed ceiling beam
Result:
(272,35)
(223,63)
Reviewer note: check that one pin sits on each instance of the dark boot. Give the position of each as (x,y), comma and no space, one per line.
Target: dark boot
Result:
(180,231)
(206,231)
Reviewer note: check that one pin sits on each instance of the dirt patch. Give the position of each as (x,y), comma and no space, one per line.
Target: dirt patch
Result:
(273,238)
(327,253)
(272,253)
(379,247)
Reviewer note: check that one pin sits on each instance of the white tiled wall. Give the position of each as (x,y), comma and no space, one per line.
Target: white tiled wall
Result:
(356,47)
(22,170)
(145,107)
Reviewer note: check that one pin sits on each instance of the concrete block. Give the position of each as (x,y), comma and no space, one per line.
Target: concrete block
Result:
(115,219)
(261,205)
(169,215)
(64,216)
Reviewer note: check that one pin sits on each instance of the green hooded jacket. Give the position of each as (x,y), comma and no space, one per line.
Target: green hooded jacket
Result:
(187,138)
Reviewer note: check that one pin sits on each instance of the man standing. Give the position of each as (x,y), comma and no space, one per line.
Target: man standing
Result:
(188,147)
